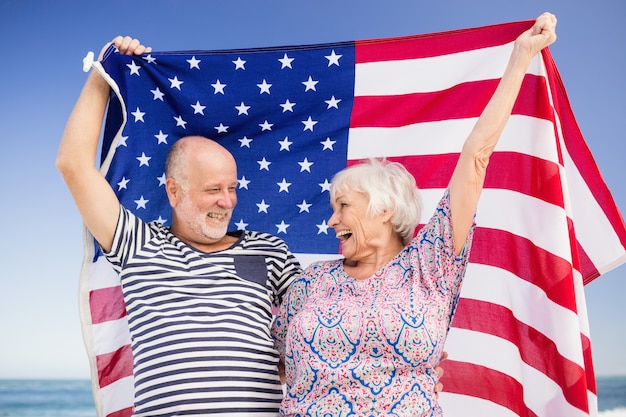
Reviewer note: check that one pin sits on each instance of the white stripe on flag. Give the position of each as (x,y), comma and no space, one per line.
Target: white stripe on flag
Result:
(468,406)
(497,286)
(509,210)
(109,336)
(591,223)
(443,137)
(430,74)
(103,275)
(115,395)
(501,355)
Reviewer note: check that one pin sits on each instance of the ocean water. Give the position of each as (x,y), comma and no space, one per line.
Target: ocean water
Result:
(612,396)
(46,398)
(72,398)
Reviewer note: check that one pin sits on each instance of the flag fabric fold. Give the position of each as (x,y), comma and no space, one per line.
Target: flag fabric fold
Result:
(293,116)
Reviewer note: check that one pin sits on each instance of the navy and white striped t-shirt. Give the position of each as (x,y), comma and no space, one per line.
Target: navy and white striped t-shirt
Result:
(200,322)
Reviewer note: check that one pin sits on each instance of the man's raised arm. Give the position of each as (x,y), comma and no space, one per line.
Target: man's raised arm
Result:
(94,197)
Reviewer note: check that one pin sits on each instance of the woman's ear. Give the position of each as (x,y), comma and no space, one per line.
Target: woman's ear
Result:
(387,214)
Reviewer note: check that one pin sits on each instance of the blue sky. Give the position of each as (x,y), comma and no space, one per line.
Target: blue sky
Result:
(41,77)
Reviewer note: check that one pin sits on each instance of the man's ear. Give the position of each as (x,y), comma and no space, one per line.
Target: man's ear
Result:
(173,190)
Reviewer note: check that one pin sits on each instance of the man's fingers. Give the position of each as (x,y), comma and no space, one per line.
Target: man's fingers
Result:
(130,46)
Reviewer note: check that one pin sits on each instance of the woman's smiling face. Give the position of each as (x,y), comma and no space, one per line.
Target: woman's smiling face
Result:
(357,230)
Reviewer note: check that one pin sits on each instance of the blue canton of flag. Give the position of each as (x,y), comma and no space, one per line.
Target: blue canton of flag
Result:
(283,113)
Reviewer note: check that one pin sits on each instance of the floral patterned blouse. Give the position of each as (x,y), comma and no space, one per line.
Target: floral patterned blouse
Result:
(369,347)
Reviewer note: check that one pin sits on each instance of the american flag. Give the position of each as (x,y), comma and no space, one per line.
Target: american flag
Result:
(293,116)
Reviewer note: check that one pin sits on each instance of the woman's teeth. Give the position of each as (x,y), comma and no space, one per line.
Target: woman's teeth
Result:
(343,234)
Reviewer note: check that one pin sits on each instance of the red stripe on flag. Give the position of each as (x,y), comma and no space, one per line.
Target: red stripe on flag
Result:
(114,366)
(531,263)
(535,348)
(580,260)
(406,109)
(477,381)
(588,358)
(587,268)
(106,304)
(533,100)
(532,176)
(452,103)
(435,44)
(126,412)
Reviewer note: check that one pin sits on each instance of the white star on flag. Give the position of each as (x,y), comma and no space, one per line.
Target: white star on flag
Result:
(262,206)
(304,206)
(305,165)
(264,164)
(158,95)
(333,102)
(310,84)
(243,182)
(323,228)
(175,83)
(328,144)
(241,225)
(138,115)
(219,87)
(239,64)
(194,63)
(245,142)
(282,227)
(198,108)
(283,186)
(333,58)
(122,183)
(265,87)
(287,106)
(242,108)
(284,144)
(144,160)
(180,121)
(141,203)
(285,61)
(134,68)
(309,123)
(161,137)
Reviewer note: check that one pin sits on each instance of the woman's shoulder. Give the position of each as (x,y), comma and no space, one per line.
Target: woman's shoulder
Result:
(327,264)
(316,270)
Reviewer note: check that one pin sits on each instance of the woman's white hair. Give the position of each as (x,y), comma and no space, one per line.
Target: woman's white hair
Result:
(388,186)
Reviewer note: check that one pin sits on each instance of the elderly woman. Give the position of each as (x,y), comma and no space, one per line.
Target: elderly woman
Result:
(362,335)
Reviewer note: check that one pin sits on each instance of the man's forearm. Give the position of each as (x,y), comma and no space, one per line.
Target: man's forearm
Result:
(82,132)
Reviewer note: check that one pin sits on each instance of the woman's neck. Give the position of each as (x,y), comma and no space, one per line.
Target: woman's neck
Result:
(367,266)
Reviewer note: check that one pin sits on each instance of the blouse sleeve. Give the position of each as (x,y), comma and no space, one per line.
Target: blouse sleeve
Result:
(434,248)
(293,301)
